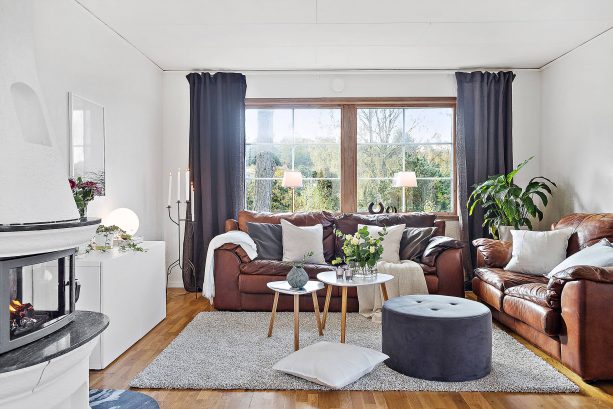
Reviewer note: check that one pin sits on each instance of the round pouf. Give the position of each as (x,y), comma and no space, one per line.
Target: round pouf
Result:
(437,338)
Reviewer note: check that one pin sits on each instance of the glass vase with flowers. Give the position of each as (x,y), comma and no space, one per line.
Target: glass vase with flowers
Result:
(83,193)
(361,252)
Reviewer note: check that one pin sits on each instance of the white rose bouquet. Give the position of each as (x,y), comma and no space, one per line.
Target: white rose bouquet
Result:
(360,249)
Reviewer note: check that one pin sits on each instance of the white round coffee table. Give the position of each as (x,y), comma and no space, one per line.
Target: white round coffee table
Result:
(329,278)
(283,287)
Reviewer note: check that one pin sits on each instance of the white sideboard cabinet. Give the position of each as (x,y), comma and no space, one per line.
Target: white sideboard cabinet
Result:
(130,288)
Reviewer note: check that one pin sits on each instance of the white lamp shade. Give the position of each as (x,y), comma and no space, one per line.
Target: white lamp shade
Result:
(292,179)
(405,179)
(123,218)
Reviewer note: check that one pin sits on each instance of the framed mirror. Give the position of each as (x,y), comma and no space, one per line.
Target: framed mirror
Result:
(87,135)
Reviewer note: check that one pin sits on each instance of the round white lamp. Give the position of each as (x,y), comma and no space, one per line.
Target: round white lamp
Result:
(123,218)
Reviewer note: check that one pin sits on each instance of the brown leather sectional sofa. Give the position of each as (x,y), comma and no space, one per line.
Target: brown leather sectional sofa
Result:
(240,283)
(567,316)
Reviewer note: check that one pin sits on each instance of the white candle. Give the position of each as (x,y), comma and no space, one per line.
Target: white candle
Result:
(192,201)
(179,185)
(187,185)
(169,186)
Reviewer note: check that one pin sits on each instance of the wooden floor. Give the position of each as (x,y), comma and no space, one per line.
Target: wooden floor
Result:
(183,307)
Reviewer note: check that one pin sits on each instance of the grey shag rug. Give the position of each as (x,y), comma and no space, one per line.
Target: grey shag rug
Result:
(230,350)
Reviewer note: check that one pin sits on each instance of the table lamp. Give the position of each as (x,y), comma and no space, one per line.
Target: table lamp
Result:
(292,179)
(404,180)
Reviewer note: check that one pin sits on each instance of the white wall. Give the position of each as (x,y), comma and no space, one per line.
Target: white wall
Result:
(526,111)
(76,52)
(577,128)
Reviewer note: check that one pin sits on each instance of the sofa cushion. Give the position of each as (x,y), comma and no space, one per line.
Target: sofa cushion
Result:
(326,219)
(542,319)
(347,223)
(534,292)
(588,229)
(538,252)
(279,268)
(504,279)
(302,243)
(268,240)
(414,241)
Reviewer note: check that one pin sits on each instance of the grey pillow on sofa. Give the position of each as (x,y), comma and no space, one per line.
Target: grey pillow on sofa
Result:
(268,240)
(414,241)
(597,255)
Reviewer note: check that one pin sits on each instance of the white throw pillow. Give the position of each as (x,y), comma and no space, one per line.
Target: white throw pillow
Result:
(298,241)
(597,255)
(391,241)
(537,252)
(331,364)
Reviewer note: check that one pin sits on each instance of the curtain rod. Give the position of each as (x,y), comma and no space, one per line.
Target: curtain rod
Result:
(354,71)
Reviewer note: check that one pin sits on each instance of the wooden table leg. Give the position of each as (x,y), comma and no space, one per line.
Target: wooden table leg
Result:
(316,309)
(296,322)
(384,292)
(326,307)
(343,313)
(273,314)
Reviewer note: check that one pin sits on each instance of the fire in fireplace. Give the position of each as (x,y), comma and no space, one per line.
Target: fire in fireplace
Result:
(40,293)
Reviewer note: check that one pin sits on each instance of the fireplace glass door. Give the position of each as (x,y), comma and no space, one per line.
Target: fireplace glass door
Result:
(40,292)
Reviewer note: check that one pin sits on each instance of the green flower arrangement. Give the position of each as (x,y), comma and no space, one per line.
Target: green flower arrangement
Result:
(360,249)
(126,241)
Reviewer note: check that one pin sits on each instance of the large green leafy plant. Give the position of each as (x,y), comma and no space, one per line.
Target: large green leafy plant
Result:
(506,204)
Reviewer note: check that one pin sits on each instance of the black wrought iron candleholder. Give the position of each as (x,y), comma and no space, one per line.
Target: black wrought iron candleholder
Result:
(177,262)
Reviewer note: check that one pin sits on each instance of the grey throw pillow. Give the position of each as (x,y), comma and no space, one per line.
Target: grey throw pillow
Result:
(597,255)
(268,240)
(414,241)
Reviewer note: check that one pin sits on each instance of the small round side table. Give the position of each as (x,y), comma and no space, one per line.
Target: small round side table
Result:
(283,287)
(329,277)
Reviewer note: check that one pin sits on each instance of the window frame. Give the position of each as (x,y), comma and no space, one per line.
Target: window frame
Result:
(349,143)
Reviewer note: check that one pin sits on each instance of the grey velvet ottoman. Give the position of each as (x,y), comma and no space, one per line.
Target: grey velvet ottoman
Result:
(438,338)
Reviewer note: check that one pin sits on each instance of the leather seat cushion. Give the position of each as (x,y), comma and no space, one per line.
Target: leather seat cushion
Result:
(503,279)
(533,292)
(279,268)
(542,319)
(256,284)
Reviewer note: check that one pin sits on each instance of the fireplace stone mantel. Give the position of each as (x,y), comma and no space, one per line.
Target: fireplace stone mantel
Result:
(52,372)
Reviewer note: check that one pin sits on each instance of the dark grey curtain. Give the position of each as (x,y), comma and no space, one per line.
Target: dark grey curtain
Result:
(216,157)
(484,142)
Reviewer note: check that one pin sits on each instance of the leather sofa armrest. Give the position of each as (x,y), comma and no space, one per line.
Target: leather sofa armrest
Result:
(228,259)
(558,281)
(585,338)
(450,272)
(493,253)
(231,224)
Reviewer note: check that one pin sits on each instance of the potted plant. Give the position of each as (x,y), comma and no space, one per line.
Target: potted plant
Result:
(83,193)
(506,206)
(107,235)
(362,252)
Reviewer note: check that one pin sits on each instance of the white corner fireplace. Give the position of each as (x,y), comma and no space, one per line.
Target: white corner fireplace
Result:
(44,343)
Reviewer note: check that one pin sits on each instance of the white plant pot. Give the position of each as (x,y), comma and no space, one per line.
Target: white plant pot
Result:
(504,232)
(103,240)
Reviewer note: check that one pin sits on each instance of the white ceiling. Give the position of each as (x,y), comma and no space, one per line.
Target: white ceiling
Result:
(353,34)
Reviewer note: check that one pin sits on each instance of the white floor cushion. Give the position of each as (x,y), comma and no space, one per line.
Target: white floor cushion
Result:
(331,364)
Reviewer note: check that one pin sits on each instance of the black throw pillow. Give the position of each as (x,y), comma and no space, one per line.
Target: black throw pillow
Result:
(268,240)
(414,241)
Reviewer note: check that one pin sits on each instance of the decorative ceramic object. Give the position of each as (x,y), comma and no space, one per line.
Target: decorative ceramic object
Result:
(297,277)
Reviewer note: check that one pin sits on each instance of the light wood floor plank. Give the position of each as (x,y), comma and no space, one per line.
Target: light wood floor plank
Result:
(183,307)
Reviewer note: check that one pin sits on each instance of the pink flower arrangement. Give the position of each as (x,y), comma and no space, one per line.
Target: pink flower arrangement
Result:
(83,193)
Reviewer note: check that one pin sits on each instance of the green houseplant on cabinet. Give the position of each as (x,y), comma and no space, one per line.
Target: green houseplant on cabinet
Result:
(506,206)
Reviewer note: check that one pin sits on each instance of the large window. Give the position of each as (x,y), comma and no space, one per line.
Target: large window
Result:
(301,139)
(348,152)
(391,140)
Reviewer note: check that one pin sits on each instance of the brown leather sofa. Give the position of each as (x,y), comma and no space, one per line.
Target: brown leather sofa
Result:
(567,316)
(240,283)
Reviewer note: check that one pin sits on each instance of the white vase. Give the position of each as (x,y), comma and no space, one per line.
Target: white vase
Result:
(504,232)
(103,240)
